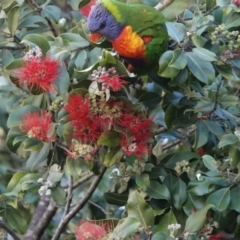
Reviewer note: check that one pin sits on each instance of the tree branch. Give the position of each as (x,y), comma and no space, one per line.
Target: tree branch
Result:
(9,231)
(69,196)
(65,220)
(163,4)
(39,9)
(35,227)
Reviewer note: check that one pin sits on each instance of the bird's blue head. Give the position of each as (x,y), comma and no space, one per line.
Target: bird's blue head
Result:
(102,23)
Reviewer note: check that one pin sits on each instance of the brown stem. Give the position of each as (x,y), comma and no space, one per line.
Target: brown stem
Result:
(65,220)
(41,218)
(9,231)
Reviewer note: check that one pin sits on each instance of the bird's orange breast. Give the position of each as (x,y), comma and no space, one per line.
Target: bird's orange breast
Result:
(129,44)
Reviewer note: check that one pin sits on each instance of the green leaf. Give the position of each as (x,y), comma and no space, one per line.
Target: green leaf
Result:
(179,194)
(150,99)
(200,188)
(227,72)
(139,209)
(13,19)
(228,139)
(16,220)
(176,31)
(179,156)
(52,12)
(179,7)
(126,227)
(59,195)
(166,220)
(109,138)
(143,181)
(161,236)
(198,41)
(74,168)
(39,156)
(214,128)
(201,134)
(234,199)
(15,181)
(115,199)
(63,81)
(205,54)
(29,181)
(178,61)
(15,117)
(206,105)
(220,199)
(55,173)
(164,69)
(113,156)
(202,70)
(197,220)
(32,144)
(13,133)
(158,191)
(170,116)
(34,40)
(209,162)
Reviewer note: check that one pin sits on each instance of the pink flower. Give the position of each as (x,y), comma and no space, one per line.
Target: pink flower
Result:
(90,231)
(237,2)
(37,125)
(38,73)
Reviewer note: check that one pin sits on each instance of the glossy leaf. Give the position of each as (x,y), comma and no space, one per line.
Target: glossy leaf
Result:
(202,70)
(143,181)
(166,220)
(179,194)
(220,199)
(16,220)
(138,208)
(196,220)
(109,138)
(228,139)
(115,199)
(158,191)
(13,19)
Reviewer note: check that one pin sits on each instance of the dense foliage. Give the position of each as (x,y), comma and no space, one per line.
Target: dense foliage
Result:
(91,151)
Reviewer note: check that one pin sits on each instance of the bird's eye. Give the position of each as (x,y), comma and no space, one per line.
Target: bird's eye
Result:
(102,25)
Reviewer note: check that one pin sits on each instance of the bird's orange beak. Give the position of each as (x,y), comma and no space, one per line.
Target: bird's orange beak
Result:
(95,37)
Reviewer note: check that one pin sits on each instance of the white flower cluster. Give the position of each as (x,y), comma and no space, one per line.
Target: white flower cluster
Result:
(35,52)
(96,75)
(173,227)
(45,188)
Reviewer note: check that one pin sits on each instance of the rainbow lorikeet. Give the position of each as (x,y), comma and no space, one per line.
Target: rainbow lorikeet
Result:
(137,32)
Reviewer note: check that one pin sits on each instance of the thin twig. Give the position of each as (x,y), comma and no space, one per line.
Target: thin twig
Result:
(69,195)
(9,231)
(39,9)
(64,148)
(99,207)
(163,4)
(178,141)
(13,48)
(65,220)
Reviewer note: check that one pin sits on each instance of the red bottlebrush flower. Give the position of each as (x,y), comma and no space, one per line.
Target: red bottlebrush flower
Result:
(237,2)
(113,82)
(221,236)
(138,133)
(130,146)
(87,126)
(85,10)
(39,73)
(90,231)
(38,125)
